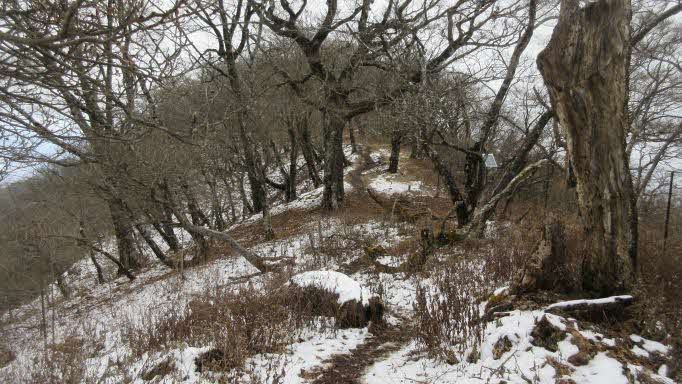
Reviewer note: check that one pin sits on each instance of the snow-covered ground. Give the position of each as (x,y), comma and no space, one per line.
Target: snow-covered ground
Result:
(507,352)
(522,363)
(390,184)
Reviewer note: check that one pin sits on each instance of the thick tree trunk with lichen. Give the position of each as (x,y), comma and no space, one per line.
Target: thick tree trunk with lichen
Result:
(585,69)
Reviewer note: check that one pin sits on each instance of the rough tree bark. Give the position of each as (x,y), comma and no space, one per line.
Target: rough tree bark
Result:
(98,268)
(585,70)
(333,160)
(124,230)
(293,166)
(308,153)
(288,173)
(165,225)
(396,140)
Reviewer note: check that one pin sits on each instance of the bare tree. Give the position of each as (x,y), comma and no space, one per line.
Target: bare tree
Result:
(77,76)
(585,70)
(380,35)
(655,83)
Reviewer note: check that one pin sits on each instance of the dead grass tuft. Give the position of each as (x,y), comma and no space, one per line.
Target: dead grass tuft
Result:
(448,317)
(238,323)
(161,370)
(6,355)
(560,368)
(244,322)
(546,335)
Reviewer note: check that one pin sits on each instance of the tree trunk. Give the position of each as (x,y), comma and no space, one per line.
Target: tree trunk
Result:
(415,150)
(585,69)
(396,138)
(547,268)
(165,227)
(197,215)
(230,200)
(293,166)
(333,160)
(216,204)
(43,313)
(246,207)
(63,288)
(124,230)
(98,268)
(309,154)
(462,214)
(143,231)
(351,136)
(251,257)
(474,176)
(521,157)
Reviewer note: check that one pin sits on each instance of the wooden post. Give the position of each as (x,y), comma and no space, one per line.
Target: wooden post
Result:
(667,212)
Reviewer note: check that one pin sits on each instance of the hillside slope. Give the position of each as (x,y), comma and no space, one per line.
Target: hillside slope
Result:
(448,315)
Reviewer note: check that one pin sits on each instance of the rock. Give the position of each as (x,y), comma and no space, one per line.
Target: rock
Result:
(492,310)
(351,314)
(596,311)
(375,310)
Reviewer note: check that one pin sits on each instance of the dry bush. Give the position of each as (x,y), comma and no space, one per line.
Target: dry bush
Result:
(238,324)
(60,362)
(448,316)
(242,323)
(449,320)
(6,356)
(659,307)
(508,252)
(516,245)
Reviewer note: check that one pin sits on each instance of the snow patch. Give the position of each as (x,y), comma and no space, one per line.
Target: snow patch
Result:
(387,184)
(336,282)
(604,300)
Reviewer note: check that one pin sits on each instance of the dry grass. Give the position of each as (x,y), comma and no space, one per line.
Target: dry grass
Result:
(560,368)
(448,316)
(6,355)
(658,312)
(238,323)
(242,323)
(64,361)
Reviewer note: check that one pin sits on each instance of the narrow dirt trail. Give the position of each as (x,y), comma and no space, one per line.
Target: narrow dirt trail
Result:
(366,163)
(384,339)
(350,368)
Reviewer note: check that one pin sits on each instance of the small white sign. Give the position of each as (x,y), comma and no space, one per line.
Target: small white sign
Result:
(490,161)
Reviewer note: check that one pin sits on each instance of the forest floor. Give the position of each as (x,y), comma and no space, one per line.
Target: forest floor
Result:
(437,325)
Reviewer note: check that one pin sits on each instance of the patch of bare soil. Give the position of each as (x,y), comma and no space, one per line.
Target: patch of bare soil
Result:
(349,368)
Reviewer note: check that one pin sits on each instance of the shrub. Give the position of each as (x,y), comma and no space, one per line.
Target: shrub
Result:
(449,320)
(61,362)
(238,324)
(245,322)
